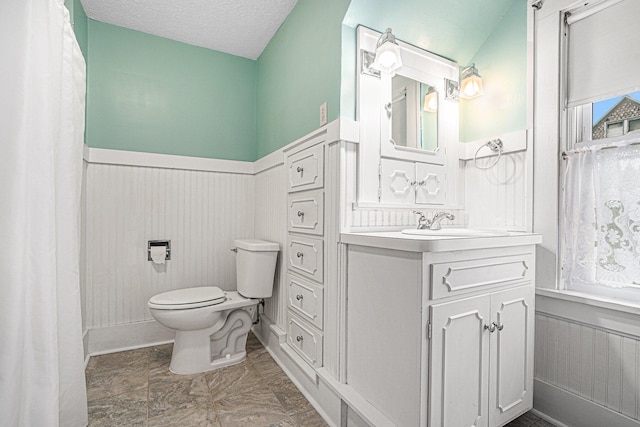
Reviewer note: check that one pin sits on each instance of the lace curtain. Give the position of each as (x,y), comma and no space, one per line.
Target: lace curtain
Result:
(601,217)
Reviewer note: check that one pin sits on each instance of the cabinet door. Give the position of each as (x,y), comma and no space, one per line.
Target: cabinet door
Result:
(511,390)
(397,180)
(431,184)
(459,368)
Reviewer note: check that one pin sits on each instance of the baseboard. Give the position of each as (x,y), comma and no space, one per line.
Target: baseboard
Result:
(85,347)
(128,336)
(547,418)
(566,409)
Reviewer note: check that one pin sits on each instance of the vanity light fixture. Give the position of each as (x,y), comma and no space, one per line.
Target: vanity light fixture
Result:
(387,55)
(470,83)
(430,101)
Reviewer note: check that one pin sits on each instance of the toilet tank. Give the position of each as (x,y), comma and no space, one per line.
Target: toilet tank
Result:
(255,267)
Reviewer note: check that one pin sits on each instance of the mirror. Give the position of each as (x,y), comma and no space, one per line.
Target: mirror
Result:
(414,114)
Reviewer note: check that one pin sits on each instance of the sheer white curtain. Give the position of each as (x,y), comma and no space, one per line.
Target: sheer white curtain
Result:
(601,220)
(42,90)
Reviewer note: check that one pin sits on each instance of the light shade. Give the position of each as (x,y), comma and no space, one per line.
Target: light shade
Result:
(430,101)
(388,58)
(470,83)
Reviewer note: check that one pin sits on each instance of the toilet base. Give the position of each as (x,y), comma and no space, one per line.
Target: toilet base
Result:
(212,348)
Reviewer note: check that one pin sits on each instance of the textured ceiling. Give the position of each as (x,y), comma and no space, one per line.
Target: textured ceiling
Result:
(238,27)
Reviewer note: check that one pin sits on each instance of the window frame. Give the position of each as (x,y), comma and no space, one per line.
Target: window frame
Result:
(576,124)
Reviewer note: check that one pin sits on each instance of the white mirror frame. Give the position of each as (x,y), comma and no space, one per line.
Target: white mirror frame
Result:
(446,109)
(375,133)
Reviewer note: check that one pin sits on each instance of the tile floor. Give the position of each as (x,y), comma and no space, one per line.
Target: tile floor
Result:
(136,388)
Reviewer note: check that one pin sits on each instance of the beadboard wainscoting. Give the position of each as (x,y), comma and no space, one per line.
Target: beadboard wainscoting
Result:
(369,219)
(201,212)
(587,364)
(497,197)
(270,223)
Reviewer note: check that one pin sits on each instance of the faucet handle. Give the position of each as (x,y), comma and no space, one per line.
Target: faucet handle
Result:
(423,222)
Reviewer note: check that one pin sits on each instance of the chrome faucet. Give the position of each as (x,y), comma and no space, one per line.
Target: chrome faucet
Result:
(434,223)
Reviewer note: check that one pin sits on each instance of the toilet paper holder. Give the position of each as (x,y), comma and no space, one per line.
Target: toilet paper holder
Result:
(165,243)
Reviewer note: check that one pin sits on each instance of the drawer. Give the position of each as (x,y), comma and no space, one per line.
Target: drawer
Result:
(306,257)
(462,277)
(306,169)
(306,299)
(306,212)
(305,340)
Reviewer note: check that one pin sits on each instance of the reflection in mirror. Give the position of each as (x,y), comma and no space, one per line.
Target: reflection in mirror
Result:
(414,114)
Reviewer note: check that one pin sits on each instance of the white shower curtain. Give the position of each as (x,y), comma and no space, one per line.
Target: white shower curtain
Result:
(42,91)
(601,218)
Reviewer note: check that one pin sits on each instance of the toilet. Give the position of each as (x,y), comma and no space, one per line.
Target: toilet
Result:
(211,324)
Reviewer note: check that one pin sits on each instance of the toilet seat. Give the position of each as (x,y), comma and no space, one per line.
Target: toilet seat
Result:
(202,296)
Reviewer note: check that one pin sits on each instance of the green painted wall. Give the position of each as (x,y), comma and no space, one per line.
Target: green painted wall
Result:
(150,94)
(502,63)
(464,31)
(299,70)
(79,21)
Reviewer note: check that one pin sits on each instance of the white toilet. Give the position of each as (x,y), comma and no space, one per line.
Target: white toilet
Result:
(212,325)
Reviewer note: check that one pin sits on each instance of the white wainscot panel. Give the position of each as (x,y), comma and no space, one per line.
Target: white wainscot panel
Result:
(202,213)
(599,365)
(367,218)
(270,223)
(497,197)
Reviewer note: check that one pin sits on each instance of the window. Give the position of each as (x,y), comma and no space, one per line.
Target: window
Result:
(600,224)
(614,117)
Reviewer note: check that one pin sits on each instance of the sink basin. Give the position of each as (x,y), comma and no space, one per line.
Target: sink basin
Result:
(456,232)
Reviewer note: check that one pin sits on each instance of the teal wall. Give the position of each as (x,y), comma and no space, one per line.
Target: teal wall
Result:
(79,22)
(502,63)
(299,70)
(464,31)
(151,94)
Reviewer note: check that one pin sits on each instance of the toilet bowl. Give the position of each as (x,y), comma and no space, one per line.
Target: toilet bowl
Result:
(211,324)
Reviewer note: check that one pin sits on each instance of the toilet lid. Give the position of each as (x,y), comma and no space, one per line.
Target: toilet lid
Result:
(189,297)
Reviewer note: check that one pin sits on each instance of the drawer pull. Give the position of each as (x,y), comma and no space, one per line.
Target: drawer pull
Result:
(300,214)
(498,326)
(491,328)
(299,254)
(300,169)
(299,297)
(299,338)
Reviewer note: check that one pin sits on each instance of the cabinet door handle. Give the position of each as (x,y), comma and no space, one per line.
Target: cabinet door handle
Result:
(299,338)
(299,254)
(300,213)
(299,297)
(491,327)
(498,326)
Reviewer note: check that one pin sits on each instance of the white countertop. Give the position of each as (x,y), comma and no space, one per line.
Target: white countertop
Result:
(405,242)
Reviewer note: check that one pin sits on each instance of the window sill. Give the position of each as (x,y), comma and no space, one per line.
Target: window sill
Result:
(591,300)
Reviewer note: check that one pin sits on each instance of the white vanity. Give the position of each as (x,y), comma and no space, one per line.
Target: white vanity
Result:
(440,329)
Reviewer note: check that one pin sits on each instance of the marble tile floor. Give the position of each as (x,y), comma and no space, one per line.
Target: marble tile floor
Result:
(136,388)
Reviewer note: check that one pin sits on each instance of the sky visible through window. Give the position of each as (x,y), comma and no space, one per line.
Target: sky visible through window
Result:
(601,108)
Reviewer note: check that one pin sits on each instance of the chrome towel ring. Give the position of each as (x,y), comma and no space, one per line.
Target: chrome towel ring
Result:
(494,145)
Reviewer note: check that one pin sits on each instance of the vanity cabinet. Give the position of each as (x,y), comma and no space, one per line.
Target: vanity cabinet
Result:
(305,255)
(440,331)
(403,182)
(481,358)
